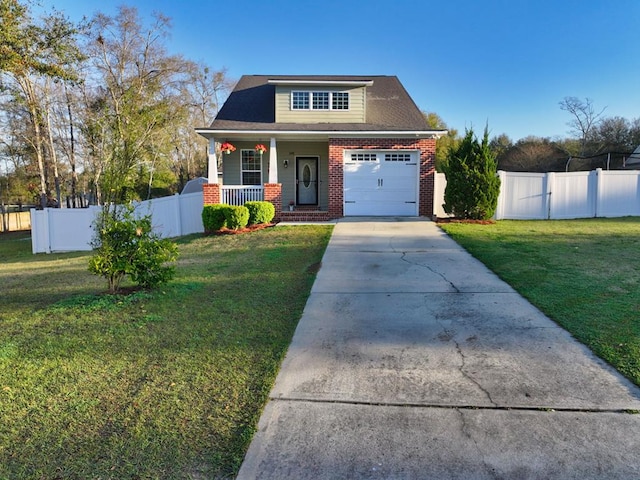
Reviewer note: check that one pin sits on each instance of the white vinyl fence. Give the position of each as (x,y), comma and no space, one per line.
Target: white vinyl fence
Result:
(555,195)
(71,229)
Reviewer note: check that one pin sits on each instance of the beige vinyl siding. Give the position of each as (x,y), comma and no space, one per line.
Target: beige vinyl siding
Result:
(232,170)
(355,114)
(287,176)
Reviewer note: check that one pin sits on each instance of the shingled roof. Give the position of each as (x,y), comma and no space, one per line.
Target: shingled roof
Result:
(251,106)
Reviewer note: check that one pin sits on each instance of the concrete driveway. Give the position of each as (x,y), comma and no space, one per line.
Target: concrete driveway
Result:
(413,361)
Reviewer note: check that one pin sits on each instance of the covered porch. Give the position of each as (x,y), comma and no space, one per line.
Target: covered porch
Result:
(291,173)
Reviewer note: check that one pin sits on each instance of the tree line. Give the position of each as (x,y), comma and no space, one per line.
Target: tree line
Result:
(98,108)
(595,141)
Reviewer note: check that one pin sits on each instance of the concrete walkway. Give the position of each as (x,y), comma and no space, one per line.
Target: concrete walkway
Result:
(413,361)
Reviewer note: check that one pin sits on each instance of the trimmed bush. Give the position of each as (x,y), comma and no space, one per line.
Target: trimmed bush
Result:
(213,217)
(260,212)
(236,217)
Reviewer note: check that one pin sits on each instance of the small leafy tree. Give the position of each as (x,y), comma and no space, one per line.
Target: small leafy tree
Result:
(472,184)
(126,245)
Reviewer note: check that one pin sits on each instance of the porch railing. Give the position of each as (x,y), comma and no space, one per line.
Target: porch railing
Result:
(239,194)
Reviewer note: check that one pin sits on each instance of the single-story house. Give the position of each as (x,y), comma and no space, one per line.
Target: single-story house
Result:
(323,147)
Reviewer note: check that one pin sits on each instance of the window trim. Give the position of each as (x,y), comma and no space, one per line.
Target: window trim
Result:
(243,170)
(331,103)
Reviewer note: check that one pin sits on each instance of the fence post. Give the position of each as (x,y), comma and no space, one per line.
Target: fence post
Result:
(500,207)
(46,222)
(550,178)
(178,215)
(598,189)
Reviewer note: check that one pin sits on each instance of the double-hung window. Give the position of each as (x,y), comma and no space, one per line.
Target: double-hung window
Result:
(340,101)
(319,100)
(300,100)
(251,168)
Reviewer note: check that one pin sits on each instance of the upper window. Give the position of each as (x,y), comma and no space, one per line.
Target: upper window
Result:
(300,100)
(319,100)
(340,101)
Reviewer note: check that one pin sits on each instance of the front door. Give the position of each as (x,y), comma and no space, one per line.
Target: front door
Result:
(307,180)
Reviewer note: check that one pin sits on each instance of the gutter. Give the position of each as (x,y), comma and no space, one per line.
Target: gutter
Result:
(231,134)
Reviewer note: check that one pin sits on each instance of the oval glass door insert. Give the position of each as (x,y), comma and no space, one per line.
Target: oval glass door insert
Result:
(306,176)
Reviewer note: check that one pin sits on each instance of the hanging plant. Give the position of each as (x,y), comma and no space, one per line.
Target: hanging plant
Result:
(227,148)
(260,148)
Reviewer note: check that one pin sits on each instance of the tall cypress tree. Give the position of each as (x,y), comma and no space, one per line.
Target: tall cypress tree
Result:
(472,182)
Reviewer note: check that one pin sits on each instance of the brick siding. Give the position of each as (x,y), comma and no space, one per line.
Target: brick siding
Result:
(427,147)
(273,194)
(273,191)
(211,193)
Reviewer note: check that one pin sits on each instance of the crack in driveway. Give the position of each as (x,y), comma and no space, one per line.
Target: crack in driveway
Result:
(465,431)
(449,335)
(440,274)
(469,377)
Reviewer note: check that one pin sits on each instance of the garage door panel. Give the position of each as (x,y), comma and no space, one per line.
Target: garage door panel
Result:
(362,175)
(399,183)
(381,209)
(365,168)
(388,196)
(361,182)
(399,171)
(361,195)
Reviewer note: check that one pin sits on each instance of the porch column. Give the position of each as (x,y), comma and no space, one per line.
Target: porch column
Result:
(273,162)
(213,162)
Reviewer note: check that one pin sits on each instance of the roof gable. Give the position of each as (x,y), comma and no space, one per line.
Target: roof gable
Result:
(251,105)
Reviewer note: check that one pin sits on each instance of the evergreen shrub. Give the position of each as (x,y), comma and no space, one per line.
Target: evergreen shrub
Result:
(260,212)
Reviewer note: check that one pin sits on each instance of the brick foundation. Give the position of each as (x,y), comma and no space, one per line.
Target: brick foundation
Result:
(304,216)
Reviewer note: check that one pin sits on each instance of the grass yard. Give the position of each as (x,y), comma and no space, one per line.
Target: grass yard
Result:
(584,274)
(166,384)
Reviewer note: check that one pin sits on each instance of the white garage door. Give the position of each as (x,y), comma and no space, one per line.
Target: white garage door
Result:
(380,183)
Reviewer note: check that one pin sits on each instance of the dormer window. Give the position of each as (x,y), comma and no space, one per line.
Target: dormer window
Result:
(300,100)
(319,100)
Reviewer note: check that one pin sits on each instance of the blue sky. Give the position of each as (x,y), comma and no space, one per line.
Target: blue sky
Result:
(505,62)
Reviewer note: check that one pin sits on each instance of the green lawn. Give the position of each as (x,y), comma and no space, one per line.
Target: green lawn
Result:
(168,384)
(584,274)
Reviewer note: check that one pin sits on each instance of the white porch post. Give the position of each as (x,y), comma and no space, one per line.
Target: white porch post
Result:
(273,162)
(213,162)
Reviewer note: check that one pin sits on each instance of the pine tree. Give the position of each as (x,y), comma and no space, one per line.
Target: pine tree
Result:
(472,182)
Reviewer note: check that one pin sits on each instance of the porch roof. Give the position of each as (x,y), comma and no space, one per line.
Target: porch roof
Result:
(312,135)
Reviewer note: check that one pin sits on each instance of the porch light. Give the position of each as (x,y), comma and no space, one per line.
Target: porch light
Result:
(227,148)
(285,163)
